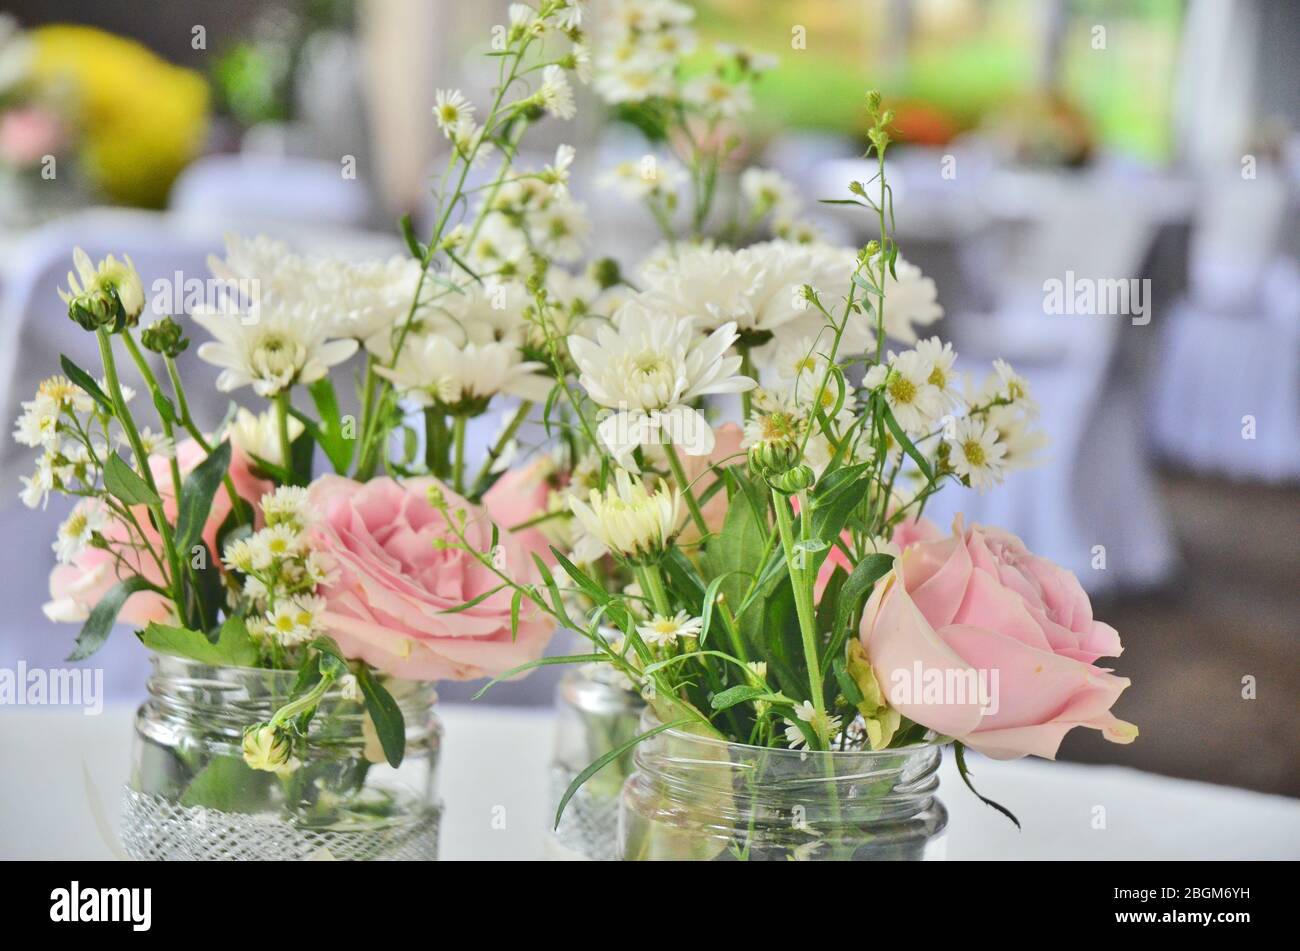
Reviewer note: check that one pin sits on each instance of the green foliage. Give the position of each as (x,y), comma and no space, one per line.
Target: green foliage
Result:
(232,648)
(103,615)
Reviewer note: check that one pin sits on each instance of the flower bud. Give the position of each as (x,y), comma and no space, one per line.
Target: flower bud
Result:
(793,480)
(267,747)
(606,273)
(770,458)
(108,294)
(166,337)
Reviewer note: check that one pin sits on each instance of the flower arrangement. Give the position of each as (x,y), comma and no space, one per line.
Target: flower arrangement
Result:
(768,581)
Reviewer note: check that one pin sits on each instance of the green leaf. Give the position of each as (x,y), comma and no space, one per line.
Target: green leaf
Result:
(515,601)
(86,382)
(475,601)
(338,448)
(412,242)
(196,496)
(609,757)
(124,484)
(959,751)
(234,648)
(738,694)
(908,446)
(854,593)
(579,577)
(102,616)
(540,662)
(228,784)
(557,600)
(710,602)
(387,717)
(848,686)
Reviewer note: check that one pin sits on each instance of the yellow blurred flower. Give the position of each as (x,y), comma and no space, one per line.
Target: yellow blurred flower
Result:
(140,119)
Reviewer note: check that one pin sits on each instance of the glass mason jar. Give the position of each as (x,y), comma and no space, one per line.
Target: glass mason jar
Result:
(191,796)
(596,711)
(701,798)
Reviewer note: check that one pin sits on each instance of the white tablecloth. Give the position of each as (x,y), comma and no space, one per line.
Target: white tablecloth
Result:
(55,764)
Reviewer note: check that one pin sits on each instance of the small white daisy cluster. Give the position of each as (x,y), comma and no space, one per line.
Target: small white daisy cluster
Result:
(75,435)
(281,572)
(667,634)
(979,438)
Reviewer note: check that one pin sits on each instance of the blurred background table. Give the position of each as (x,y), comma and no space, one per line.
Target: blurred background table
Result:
(62,768)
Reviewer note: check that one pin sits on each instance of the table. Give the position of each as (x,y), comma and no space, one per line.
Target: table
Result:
(60,773)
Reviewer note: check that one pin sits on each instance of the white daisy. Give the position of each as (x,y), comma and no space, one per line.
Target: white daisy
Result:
(717,96)
(294,621)
(916,403)
(288,505)
(976,453)
(560,229)
(451,109)
(767,190)
(555,94)
(648,370)
(39,423)
(76,531)
(662,631)
(941,358)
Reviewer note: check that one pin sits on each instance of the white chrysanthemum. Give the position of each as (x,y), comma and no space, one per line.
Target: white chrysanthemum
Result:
(1007,385)
(258,434)
(626,519)
(783,269)
(273,347)
(662,631)
(109,274)
(638,179)
(914,400)
(709,286)
(976,453)
(76,531)
(434,369)
(767,190)
(262,268)
(37,487)
(556,95)
(648,369)
(451,110)
(365,298)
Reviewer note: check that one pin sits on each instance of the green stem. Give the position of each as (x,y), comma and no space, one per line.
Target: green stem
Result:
(458,440)
(142,463)
(803,604)
(679,473)
(151,381)
(506,435)
(435,442)
(653,583)
(282,424)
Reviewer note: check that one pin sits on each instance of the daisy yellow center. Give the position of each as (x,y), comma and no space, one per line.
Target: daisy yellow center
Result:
(938,378)
(665,627)
(278,545)
(76,524)
(807,364)
(902,389)
(1015,391)
(285,622)
(974,452)
(778,426)
(449,114)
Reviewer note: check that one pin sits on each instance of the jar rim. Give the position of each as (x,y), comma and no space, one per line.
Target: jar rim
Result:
(179,665)
(802,755)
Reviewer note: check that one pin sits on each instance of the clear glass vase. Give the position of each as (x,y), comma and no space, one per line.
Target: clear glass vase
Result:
(597,710)
(191,796)
(704,799)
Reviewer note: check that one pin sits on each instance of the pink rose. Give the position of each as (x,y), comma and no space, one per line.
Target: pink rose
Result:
(979,608)
(907,532)
(77,587)
(389,603)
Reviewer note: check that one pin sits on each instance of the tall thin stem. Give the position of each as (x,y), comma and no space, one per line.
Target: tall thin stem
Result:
(679,473)
(803,605)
